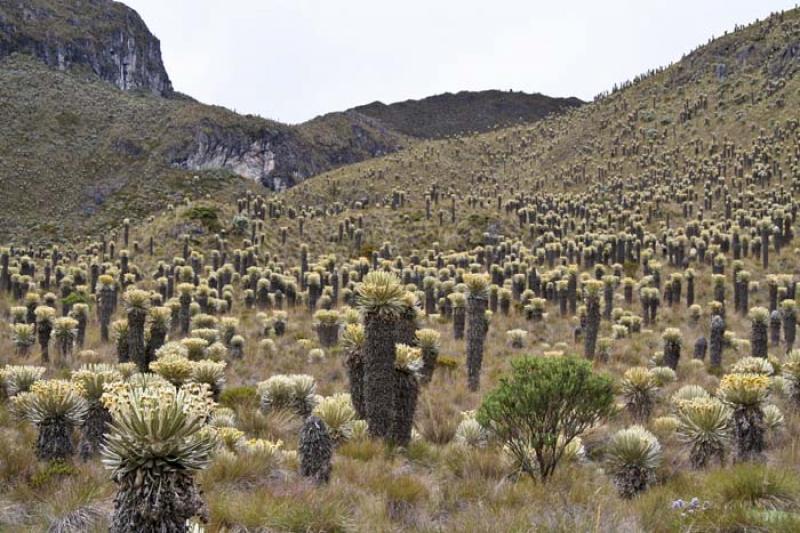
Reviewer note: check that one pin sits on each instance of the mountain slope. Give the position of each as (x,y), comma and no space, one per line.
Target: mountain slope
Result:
(79,152)
(726,109)
(465,112)
(97,131)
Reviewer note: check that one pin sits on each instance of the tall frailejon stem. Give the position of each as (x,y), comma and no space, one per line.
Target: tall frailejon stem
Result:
(137,303)
(477,325)
(592,301)
(380,298)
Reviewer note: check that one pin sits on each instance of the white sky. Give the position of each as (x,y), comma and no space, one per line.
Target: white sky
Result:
(291,60)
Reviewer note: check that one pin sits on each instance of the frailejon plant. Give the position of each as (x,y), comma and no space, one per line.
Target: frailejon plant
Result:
(92,380)
(477,325)
(315,450)
(592,301)
(759,317)
(704,428)
(745,393)
(137,304)
(429,342)
(353,343)
(157,440)
(55,407)
(45,315)
(633,455)
(380,298)
(639,389)
(407,365)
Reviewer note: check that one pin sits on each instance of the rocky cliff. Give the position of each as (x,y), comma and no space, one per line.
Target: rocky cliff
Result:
(280,156)
(105,37)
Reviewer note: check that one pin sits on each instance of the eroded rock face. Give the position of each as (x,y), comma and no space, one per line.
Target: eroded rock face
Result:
(106,37)
(280,156)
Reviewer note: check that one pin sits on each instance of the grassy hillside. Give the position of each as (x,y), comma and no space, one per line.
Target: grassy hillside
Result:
(76,152)
(466,112)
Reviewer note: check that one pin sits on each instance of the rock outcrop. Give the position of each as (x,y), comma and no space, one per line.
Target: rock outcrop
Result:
(103,36)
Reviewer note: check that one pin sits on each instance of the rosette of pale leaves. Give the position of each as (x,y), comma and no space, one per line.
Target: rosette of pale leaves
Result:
(663,375)
(633,447)
(381,293)
(296,392)
(773,418)
(158,430)
(209,372)
(136,299)
(353,337)
(20,378)
(222,417)
(196,347)
(428,339)
(326,317)
(744,389)
(477,285)
(688,393)
(638,381)
(703,422)
(791,368)
(470,432)
(50,400)
(338,413)
(23,336)
(260,448)
(210,335)
(753,365)
(229,436)
(93,379)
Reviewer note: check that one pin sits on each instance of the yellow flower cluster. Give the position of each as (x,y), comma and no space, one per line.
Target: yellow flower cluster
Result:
(259,447)
(408,358)
(56,388)
(744,389)
(173,367)
(229,436)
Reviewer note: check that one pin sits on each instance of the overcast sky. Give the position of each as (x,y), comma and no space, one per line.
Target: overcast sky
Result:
(291,60)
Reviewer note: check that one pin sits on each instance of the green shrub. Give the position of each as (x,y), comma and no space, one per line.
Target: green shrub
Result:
(207,216)
(51,470)
(540,409)
(239,396)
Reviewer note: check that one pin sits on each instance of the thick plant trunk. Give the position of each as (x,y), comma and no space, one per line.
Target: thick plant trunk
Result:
(632,480)
(93,430)
(748,433)
(405,405)
(150,504)
(54,442)
(137,351)
(379,354)
(592,327)
(354,362)
(459,321)
(476,337)
(315,450)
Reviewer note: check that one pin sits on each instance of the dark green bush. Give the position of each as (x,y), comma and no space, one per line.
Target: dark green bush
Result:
(540,409)
(239,396)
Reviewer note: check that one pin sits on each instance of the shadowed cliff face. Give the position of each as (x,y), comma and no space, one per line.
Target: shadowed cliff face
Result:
(105,37)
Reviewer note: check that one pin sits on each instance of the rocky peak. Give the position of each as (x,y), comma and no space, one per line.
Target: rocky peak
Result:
(104,36)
